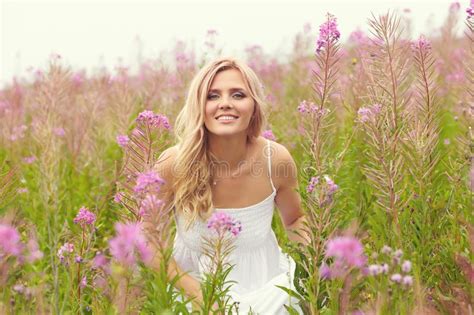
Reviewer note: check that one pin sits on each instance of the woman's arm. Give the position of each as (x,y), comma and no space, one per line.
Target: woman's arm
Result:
(187,283)
(288,199)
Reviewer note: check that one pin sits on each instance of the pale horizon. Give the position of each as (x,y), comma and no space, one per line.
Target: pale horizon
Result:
(89,35)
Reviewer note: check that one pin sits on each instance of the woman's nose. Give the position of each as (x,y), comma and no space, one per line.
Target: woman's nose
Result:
(225,102)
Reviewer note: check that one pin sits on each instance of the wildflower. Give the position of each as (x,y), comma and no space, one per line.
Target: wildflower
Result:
(407,280)
(78,259)
(148,204)
(347,248)
(118,197)
(33,251)
(331,186)
(421,44)
(366,114)
(9,241)
(19,288)
(128,243)
(59,132)
(22,190)
(84,217)
(446,141)
(386,250)
(155,120)
(324,271)
(375,270)
(385,268)
(83,283)
(221,222)
(312,183)
(396,277)
(328,33)
(64,251)
(99,261)
(148,182)
(406,266)
(29,159)
(123,140)
(303,107)
(268,134)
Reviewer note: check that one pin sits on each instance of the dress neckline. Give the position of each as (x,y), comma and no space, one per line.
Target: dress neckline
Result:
(248,207)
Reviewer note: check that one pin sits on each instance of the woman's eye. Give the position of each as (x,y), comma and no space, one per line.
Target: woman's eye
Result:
(239,95)
(210,97)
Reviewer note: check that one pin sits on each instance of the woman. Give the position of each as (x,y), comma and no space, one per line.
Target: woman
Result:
(221,163)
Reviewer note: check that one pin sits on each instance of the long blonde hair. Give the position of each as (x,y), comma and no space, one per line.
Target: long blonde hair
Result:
(192,169)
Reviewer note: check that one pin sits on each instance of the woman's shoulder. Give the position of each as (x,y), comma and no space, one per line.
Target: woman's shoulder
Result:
(164,166)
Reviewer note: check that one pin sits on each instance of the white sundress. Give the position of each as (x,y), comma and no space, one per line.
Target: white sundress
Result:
(259,263)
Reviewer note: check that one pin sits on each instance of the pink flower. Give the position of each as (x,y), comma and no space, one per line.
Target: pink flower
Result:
(84,217)
(100,261)
(312,183)
(421,44)
(347,249)
(221,222)
(59,132)
(332,187)
(29,159)
(366,114)
(123,140)
(328,33)
(396,277)
(129,243)
(10,243)
(83,283)
(155,120)
(324,271)
(148,204)
(407,280)
(406,266)
(22,190)
(34,252)
(118,197)
(268,134)
(64,251)
(148,183)
(375,270)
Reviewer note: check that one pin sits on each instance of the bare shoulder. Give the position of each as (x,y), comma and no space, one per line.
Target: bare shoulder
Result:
(164,166)
(284,170)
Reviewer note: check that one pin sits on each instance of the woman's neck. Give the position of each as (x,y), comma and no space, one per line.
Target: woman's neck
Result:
(231,152)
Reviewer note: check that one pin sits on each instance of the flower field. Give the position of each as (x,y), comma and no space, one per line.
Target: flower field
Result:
(380,127)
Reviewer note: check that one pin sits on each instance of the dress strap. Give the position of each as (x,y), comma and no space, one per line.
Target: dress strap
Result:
(269,155)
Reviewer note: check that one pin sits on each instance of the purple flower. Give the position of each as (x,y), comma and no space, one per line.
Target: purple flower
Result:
(421,44)
(78,259)
(34,252)
(375,270)
(396,277)
(9,241)
(29,159)
(386,250)
(84,217)
(64,251)
(331,186)
(407,280)
(366,114)
(406,266)
(155,120)
(328,33)
(268,134)
(129,243)
(118,197)
(347,249)
(148,182)
(221,222)
(324,271)
(385,269)
(312,183)
(148,204)
(123,140)
(59,132)
(83,283)
(100,261)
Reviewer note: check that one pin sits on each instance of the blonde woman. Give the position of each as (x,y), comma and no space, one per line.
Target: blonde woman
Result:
(221,163)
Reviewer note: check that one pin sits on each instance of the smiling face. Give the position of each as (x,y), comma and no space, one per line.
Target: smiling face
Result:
(229,106)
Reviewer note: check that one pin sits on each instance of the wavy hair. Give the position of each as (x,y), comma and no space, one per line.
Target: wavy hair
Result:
(192,169)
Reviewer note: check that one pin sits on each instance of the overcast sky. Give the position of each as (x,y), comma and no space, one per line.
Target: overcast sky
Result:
(89,34)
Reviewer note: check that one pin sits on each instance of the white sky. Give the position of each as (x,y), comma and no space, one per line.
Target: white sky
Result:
(88,34)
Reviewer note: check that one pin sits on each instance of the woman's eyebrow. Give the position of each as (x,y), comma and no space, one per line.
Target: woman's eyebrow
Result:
(232,90)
